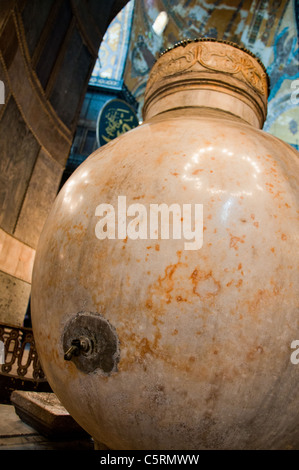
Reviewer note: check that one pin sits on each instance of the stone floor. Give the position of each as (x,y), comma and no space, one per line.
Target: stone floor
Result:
(17,435)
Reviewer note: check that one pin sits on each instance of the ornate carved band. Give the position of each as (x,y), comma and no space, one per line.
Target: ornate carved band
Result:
(207,56)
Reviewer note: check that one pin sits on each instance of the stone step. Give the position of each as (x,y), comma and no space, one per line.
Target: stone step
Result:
(44,412)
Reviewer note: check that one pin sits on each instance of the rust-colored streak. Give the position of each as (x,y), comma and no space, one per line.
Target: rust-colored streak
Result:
(204,284)
(78,226)
(255,353)
(140,349)
(76,234)
(149,304)
(179,298)
(235,240)
(163,287)
(260,299)
(166,283)
(161,293)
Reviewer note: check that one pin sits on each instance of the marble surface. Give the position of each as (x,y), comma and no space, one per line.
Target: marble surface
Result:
(198,329)
(204,334)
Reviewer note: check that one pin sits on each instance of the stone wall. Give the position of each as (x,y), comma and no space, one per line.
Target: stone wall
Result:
(47,52)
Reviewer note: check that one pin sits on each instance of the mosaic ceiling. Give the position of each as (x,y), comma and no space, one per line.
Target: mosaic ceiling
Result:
(268,28)
(109,67)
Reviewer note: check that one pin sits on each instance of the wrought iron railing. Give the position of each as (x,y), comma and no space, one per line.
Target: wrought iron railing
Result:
(20,368)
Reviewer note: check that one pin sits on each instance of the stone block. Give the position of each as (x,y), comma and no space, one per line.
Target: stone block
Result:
(44,412)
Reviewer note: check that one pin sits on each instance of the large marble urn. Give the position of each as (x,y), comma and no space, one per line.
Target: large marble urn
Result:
(162,342)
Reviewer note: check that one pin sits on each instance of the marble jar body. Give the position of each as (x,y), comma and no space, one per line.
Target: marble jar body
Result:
(203,335)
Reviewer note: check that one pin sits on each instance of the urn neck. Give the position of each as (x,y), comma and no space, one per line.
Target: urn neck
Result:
(208,74)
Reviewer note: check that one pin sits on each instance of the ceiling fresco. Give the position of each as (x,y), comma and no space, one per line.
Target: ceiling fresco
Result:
(268,28)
